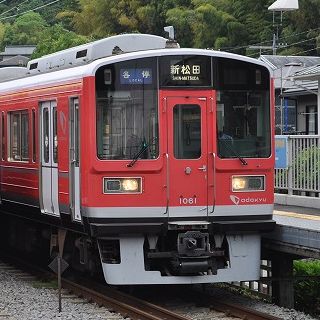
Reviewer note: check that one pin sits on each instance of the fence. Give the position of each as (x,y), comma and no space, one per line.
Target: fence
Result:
(263,287)
(302,177)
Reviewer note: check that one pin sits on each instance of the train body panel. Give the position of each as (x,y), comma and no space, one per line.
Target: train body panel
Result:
(162,158)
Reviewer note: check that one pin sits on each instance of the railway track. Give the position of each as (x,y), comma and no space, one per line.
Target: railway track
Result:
(201,305)
(126,305)
(140,309)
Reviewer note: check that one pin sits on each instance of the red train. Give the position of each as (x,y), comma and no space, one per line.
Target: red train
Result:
(158,158)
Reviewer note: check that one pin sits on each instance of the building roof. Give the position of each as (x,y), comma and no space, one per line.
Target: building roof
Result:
(276,62)
(14,61)
(301,88)
(310,73)
(14,50)
(286,70)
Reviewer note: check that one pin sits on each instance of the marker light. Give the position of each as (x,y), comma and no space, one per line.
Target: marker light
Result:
(248,183)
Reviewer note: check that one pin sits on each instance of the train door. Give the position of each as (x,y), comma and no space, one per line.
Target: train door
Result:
(74,152)
(188,156)
(49,158)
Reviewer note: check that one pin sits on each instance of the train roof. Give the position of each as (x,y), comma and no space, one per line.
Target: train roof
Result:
(77,72)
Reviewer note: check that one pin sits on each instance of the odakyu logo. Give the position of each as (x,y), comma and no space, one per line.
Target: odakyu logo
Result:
(235,199)
(247,200)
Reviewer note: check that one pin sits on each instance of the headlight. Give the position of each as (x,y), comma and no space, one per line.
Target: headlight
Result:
(248,183)
(122,185)
(130,185)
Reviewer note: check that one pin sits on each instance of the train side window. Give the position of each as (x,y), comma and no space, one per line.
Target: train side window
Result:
(18,136)
(34,150)
(55,136)
(3,137)
(45,135)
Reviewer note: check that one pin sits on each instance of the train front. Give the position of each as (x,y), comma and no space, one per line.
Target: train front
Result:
(177,187)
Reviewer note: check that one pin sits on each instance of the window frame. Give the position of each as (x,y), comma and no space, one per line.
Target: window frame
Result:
(21,143)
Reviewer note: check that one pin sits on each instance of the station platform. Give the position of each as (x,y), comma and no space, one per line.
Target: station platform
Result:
(297,231)
(299,217)
(296,236)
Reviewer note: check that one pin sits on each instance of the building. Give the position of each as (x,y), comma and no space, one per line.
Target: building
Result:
(296,96)
(16,55)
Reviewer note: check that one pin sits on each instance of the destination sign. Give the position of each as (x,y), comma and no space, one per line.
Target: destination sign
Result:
(136,76)
(186,71)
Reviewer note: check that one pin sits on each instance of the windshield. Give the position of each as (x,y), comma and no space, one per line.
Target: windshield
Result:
(243,124)
(127,111)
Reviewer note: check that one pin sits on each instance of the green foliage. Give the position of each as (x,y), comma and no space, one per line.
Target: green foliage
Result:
(27,29)
(306,168)
(182,19)
(45,284)
(56,38)
(209,26)
(307,165)
(307,292)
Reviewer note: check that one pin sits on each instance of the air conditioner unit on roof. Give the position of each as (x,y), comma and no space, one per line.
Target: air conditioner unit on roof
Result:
(95,50)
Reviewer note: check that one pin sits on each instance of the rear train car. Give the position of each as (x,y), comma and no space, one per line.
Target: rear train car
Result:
(157,158)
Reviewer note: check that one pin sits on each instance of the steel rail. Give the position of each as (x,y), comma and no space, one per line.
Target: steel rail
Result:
(122,303)
(232,309)
(240,311)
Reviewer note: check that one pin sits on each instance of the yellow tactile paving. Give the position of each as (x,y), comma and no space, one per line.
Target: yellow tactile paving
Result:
(296,215)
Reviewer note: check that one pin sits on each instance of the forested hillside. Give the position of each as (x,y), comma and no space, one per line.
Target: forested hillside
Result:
(230,25)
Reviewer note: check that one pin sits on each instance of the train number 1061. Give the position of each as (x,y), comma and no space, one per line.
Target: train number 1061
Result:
(187,201)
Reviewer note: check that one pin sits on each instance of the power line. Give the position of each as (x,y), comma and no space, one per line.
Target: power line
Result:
(17,6)
(298,34)
(295,54)
(263,42)
(35,9)
(302,41)
(286,46)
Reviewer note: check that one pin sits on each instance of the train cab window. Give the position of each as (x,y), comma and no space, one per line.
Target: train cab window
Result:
(187,131)
(18,136)
(127,110)
(243,109)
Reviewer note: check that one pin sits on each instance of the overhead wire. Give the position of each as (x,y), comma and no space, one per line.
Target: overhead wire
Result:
(35,9)
(12,8)
(288,46)
(269,41)
(295,54)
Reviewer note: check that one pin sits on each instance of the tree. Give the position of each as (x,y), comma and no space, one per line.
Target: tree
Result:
(57,38)
(96,18)
(27,29)
(3,28)
(182,19)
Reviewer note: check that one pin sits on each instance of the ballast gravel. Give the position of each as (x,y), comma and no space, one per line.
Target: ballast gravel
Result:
(19,300)
(272,309)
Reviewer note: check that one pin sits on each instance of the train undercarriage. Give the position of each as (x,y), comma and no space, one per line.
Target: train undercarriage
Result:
(174,257)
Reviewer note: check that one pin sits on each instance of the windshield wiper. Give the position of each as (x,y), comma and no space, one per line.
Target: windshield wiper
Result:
(144,147)
(225,142)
